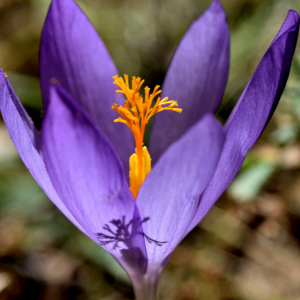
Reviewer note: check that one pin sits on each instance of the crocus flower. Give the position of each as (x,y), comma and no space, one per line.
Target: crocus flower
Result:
(80,158)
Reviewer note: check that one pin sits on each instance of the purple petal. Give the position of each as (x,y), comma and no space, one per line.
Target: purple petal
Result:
(88,177)
(27,140)
(196,78)
(73,54)
(170,194)
(253,111)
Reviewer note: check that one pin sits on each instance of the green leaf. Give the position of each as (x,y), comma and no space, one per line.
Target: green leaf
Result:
(249,183)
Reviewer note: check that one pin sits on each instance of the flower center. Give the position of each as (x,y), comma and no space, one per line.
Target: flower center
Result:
(135,113)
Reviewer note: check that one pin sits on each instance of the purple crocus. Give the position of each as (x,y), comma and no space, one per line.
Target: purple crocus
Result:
(80,158)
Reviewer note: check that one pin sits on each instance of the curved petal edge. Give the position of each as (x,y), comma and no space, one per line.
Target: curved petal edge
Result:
(89,178)
(196,78)
(73,55)
(252,112)
(27,141)
(170,195)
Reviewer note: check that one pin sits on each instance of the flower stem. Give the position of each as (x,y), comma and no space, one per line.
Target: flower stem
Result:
(146,290)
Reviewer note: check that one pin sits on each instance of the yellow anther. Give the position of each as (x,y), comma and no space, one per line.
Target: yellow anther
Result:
(137,178)
(135,113)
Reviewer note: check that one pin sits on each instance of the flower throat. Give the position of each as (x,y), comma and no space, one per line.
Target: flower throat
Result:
(135,113)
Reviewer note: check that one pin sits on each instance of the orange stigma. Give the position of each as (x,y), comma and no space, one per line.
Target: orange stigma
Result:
(135,113)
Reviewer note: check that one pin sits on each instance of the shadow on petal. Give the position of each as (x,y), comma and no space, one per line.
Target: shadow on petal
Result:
(125,235)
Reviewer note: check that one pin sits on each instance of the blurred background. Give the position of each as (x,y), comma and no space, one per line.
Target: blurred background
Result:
(246,248)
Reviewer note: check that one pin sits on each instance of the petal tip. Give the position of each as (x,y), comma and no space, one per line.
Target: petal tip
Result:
(292,14)
(215,11)
(209,117)
(216,6)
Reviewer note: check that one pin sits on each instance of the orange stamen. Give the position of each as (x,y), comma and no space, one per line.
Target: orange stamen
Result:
(135,113)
